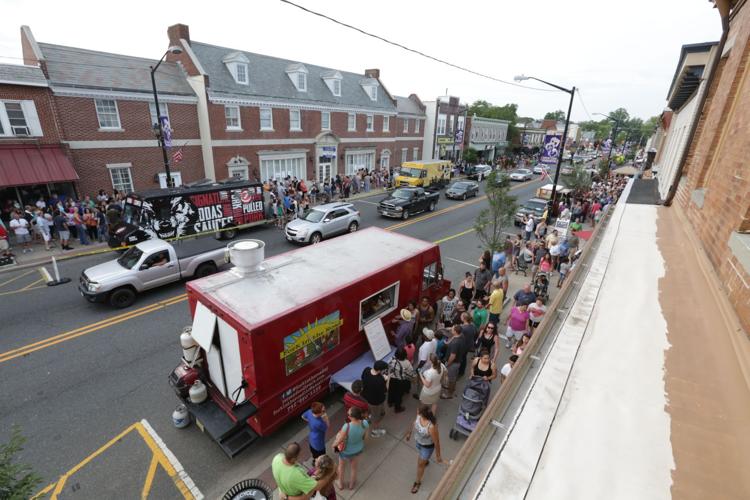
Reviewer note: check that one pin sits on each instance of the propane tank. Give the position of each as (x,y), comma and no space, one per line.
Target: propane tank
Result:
(198,392)
(180,417)
(189,346)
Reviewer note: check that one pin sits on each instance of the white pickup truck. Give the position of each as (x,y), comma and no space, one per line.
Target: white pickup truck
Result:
(148,265)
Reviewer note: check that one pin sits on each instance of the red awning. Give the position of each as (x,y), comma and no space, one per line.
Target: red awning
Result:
(25,165)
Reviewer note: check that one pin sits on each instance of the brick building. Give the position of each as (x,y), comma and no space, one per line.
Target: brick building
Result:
(106,115)
(33,160)
(714,184)
(263,117)
(411,122)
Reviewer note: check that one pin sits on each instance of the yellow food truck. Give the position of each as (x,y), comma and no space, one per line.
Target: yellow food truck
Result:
(424,173)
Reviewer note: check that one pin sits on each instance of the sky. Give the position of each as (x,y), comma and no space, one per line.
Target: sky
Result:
(619,54)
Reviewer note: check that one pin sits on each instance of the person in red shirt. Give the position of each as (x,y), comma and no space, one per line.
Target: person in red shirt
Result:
(355,399)
(4,243)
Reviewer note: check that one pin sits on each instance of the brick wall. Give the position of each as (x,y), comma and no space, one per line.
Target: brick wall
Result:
(91,165)
(80,122)
(44,109)
(717,165)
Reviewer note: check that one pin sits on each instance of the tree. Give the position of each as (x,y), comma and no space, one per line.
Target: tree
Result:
(558,115)
(17,481)
(579,181)
(499,213)
(470,156)
(487,110)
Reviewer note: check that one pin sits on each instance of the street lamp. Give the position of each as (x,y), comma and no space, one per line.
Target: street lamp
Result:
(171,50)
(614,137)
(572,92)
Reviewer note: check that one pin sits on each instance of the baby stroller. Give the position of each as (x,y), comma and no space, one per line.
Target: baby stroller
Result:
(474,400)
(541,286)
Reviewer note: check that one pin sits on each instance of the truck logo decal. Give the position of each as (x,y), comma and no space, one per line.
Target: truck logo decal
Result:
(311,341)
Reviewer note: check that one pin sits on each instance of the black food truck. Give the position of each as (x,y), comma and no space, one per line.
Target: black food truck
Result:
(217,207)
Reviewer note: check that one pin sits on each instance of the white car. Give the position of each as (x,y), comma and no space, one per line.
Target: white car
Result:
(540,169)
(521,174)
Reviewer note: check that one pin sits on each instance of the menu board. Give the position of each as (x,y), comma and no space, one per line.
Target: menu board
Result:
(378,340)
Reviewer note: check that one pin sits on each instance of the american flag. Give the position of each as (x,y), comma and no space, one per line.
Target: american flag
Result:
(177,156)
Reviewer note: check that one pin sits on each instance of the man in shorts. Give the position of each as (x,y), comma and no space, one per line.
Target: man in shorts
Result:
(20,227)
(374,390)
(61,228)
(291,477)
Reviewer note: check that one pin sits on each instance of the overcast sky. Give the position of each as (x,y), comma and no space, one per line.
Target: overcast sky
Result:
(620,54)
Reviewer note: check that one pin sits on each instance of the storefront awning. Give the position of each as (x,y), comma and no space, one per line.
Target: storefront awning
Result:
(26,165)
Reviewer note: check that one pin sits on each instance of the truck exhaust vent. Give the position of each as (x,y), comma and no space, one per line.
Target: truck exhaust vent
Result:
(246,255)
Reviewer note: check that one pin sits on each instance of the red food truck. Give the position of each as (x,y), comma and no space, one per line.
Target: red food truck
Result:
(268,335)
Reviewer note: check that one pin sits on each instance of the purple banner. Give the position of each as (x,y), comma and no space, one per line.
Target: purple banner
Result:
(551,150)
(166,130)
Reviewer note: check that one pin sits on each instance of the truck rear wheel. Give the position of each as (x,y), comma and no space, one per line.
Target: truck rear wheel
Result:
(205,269)
(122,297)
(230,234)
(405,214)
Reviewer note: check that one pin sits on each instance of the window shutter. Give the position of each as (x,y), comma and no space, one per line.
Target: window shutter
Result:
(32,119)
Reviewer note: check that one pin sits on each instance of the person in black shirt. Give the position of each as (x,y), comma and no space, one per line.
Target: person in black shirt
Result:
(469,334)
(374,390)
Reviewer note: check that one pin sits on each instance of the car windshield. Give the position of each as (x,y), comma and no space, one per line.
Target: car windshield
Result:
(314,216)
(410,172)
(130,258)
(461,186)
(402,193)
(131,214)
(536,206)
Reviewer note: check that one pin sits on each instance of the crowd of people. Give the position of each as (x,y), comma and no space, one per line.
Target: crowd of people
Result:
(58,219)
(437,344)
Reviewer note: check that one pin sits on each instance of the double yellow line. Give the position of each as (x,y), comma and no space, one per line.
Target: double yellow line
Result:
(430,215)
(93,327)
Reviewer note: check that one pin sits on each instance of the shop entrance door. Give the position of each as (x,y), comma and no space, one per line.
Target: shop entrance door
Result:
(324,169)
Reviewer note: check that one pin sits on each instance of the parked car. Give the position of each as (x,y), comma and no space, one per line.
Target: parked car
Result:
(540,169)
(461,190)
(533,206)
(406,201)
(521,174)
(323,222)
(149,264)
(477,169)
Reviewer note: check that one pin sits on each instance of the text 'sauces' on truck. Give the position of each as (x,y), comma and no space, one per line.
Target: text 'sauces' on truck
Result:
(219,208)
(424,173)
(269,337)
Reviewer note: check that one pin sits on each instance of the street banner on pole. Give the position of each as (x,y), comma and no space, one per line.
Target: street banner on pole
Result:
(166,130)
(551,150)
(606,146)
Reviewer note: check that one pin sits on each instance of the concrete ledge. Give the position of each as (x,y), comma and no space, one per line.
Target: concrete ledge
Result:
(739,244)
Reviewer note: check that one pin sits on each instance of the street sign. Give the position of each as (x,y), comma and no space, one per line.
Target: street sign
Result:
(551,149)
(445,140)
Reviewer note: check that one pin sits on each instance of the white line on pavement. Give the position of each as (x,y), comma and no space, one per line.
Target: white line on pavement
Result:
(363,201)
(461,262)
(173,460)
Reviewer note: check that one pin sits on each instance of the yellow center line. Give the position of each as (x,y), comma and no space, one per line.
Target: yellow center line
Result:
(454,236)
(27,287)
(17,277)
(11,292)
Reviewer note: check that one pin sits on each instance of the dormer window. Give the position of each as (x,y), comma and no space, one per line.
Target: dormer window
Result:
(333,81)
(237,64)
(298,75)
(370,85)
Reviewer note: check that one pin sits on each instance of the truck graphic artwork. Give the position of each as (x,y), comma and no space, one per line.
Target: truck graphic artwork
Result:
(309,342)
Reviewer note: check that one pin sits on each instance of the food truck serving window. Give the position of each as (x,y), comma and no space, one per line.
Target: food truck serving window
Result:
(378,305)
(429,276)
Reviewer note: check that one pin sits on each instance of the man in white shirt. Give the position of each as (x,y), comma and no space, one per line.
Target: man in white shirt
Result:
(429,346)
(508,367)
(20,227)
(529,227)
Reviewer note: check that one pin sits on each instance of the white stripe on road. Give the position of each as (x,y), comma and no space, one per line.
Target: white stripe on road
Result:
(173,460)
(363,201)
(461,262)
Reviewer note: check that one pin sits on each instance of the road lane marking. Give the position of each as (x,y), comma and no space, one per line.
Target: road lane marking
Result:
(461,262)
(31,284)
(17,277)
(455,236)
(85,330)
(368,202)
(160,455)
(430,215)
(12,292)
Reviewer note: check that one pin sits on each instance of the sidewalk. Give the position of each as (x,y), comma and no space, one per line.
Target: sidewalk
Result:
(387,468)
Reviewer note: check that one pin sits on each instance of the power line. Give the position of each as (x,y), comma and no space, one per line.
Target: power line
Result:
(415,51)
(580,99)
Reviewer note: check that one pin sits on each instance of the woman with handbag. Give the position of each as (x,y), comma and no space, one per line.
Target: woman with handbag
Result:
(400,374)
(349,444)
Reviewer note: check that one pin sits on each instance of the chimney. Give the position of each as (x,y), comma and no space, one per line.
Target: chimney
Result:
(246,255)
(176,32)
(372,73)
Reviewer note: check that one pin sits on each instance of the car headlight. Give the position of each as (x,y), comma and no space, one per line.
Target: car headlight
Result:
(398,209)
(302,232)
(93,287)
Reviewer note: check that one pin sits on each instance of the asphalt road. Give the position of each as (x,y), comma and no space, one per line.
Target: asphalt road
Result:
(76,375)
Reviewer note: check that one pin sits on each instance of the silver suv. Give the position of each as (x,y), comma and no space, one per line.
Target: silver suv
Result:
(323,221)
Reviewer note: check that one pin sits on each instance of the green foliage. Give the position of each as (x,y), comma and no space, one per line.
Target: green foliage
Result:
(486,110)
(558,115)
(603,168)
(470,155)
(17,481)
(579,181)
(499,213)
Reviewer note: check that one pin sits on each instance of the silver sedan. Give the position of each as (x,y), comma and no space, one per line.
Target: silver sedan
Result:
(521,174)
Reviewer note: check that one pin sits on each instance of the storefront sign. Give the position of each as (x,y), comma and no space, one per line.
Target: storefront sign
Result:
(445,140)
(310,342)
(328,151)
(551,149)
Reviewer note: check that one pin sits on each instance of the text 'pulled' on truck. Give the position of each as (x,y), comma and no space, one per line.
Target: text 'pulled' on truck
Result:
(268,337)
(220,208)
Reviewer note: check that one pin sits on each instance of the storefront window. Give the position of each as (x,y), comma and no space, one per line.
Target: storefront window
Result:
(378,305)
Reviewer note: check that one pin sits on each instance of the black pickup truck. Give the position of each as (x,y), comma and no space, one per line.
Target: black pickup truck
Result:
(406,201)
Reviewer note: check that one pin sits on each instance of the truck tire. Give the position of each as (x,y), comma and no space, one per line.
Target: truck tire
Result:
(205,269)
(230,234)
(464,197)
(316,238)
(353,226)
(432,206)
(405,214)
(122,297)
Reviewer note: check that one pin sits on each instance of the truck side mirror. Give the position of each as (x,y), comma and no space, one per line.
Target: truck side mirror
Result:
(326,220)
(143,267)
